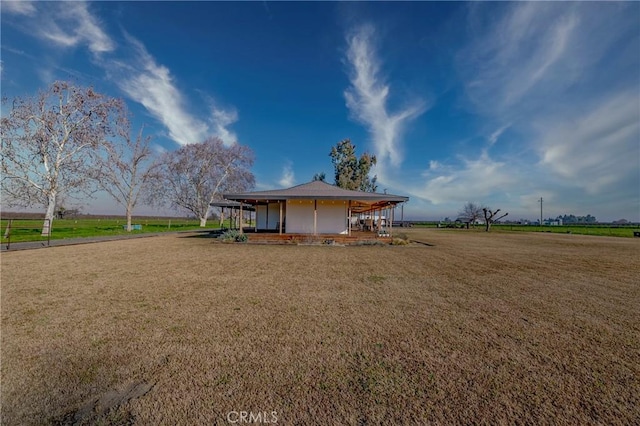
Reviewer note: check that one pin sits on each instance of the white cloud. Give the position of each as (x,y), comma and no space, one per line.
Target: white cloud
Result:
(140,77)
(526,50)
(573,119)
(69,24)
(288,178)
(152,85)
(88,28)
(367,99)
(221,119)
(474,178)
(158,149)
(496,135)
(596,149)
(18,7)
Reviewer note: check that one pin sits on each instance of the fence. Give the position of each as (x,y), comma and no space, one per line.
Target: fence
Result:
(19,230)
(26,230)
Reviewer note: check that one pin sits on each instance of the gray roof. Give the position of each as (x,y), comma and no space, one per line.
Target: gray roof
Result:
(230,205)
(317,190)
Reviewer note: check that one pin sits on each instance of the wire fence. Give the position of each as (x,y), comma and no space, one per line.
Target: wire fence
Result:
(23,230)
(17,230)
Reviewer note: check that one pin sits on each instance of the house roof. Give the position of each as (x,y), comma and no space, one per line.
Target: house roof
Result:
(230,205)
(319,190)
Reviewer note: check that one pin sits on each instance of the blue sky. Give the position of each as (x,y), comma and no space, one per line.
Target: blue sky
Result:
(498,103)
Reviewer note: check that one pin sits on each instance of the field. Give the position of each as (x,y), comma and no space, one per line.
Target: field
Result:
(577,229)
(30,229)
(464,327)
(600,230)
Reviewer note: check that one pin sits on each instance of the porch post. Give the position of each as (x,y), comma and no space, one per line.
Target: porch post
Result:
(349,213)
(240,217)
(280,204)
(315,217)
(391,223)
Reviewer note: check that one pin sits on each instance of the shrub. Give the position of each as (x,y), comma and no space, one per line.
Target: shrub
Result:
(233,235)
(399,242)
(369,243)
(401,236)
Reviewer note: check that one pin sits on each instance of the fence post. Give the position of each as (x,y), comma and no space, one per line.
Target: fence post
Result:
(7,233)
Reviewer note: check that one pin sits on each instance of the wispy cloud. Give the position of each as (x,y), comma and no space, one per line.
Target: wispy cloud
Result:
(130,66)
(536,70)
(493,138)
(221,120)
(367,99)
(70,24)
(152,85)
(525,52)
(472,178)
(596,149)
(288,178)
(18,7)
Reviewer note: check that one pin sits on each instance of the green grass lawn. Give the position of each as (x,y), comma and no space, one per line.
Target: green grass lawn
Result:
(30,229)
(601,230)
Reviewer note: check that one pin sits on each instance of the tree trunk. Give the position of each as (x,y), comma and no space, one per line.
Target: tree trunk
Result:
(129,218)
(487,226)
(203,220)
(48,217)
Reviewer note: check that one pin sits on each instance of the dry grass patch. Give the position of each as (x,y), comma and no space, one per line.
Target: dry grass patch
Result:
(477,328)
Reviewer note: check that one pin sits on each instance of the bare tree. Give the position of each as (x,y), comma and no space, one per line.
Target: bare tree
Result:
(470,212)
(48,143)
(490,218)
(125,168)
(196,175)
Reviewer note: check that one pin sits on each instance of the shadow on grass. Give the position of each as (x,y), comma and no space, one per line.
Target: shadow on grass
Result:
(424,243)
(205,233)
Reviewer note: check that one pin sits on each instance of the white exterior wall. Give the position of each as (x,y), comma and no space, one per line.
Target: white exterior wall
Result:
(299,217)
(274,215)
(261,217)
(269,219)
(332,217)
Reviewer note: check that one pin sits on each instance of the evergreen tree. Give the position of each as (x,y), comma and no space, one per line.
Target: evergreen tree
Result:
(352,172)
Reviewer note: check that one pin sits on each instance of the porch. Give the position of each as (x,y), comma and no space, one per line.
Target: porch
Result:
(356,237)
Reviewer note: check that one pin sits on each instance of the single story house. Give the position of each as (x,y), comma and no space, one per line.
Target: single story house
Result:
(316,208)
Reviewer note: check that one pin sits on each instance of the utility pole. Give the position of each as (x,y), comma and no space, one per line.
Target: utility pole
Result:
(540,201)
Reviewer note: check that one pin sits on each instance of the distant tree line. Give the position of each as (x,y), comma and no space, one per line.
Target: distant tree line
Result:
(570,219)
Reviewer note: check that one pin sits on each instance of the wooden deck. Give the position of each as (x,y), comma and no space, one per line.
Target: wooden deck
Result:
(354,238)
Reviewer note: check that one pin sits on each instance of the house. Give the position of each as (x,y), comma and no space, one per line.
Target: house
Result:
(316,208)
(232,208)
